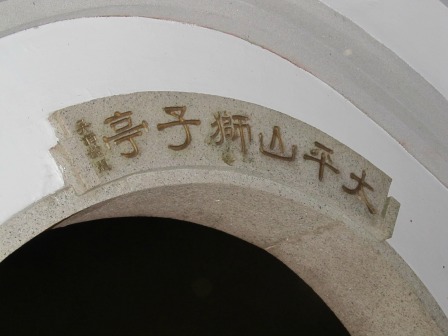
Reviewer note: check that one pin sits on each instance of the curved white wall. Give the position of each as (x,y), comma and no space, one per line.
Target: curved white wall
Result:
(65,63)
(415,30)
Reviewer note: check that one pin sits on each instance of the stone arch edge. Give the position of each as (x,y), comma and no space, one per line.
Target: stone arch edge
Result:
(367,285)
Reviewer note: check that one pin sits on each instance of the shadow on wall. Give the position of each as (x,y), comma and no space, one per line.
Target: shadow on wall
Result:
(148,276)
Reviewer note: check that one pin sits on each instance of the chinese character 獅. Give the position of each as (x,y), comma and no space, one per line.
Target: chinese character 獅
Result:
(232,128)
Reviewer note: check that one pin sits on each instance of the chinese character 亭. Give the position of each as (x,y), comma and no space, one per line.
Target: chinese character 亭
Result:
(121,123)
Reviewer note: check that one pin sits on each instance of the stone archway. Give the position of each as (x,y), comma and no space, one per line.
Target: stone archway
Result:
(203,160)
(154,276)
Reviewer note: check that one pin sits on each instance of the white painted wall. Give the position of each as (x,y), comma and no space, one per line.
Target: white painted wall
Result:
(66,63)
(415,30)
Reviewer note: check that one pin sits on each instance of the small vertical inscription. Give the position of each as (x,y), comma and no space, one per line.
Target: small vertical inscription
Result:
(324,160)
(277,138)
(178,112)
(232,128)
(121,123)
(102,165)
(94,151)
(359,190)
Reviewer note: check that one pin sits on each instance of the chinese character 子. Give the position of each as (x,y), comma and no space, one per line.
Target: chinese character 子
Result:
(359,190)
(121,123)
(324,160)
(277,137)
(178,113)
(232,128)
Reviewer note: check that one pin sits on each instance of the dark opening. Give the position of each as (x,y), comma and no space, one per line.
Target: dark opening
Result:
(152,276)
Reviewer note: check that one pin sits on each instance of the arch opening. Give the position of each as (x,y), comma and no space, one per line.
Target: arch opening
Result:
(157,276)
(360,278)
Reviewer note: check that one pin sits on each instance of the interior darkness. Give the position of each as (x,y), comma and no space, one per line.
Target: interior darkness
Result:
(152,276)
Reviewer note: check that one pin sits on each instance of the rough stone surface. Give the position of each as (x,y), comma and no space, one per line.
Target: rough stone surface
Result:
(223,151)
(325,235)
(351,270)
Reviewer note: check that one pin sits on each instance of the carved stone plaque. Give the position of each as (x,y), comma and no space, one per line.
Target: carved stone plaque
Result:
(111,138)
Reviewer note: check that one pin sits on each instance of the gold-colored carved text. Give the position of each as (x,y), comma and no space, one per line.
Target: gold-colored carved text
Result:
(324,160)
(178,112)
(232,128)
(277,137)
(121,123)
(359,190)
(94,151)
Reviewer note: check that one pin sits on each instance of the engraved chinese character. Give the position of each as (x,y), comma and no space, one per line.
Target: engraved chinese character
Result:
(232,128)
(94,151)
(277,137)
(102,165)
(178,113)
(359,190)
(81,127)
(121,123)
(89,139)
(324,160)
